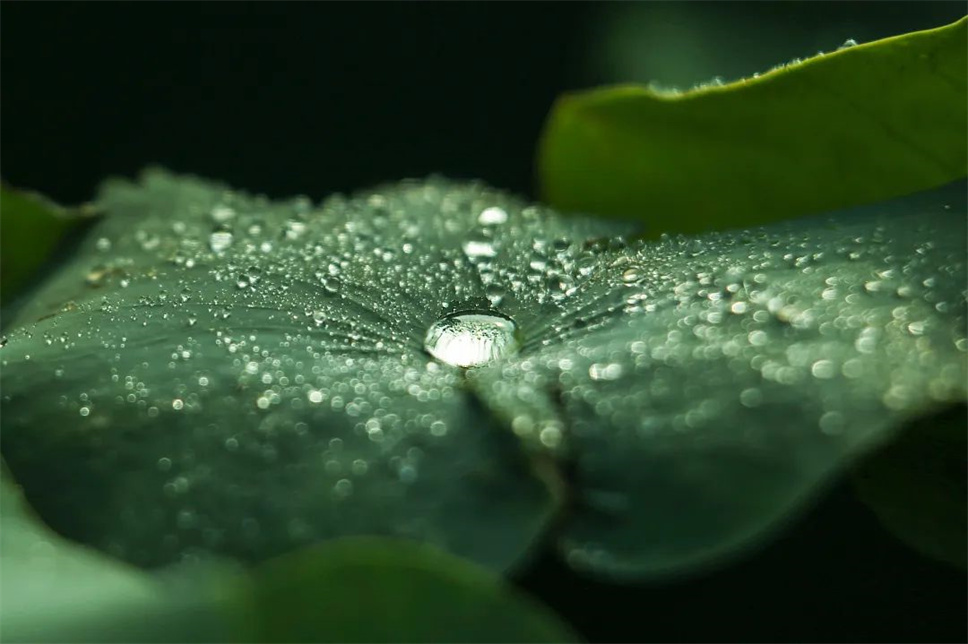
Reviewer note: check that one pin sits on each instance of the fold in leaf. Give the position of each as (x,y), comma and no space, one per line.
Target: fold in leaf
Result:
(746,370)
(855,126)
(244,377)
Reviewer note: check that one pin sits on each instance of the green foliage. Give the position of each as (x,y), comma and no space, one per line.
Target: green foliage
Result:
(214,375)
(354,590)
(855,126)
(378,590)
(685,395)
(916,486)
(57,591)
(30,228)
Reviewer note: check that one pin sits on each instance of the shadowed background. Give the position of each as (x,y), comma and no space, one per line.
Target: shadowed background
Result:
(311,98)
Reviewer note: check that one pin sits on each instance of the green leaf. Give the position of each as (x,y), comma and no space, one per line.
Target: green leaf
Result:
(353,590)
(31,226)
(251,377)
(383,590)
(748,369)
(858,125)
(916,486)
(57,591)
(285,396)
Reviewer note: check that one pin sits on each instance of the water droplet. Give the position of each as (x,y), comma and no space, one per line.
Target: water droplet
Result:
(495,293)
(294,229)
(222,214)
(471,339)
(850,42)
(220,240)
(492,216)
(331,285)
(343,488)
(479,249)
(631,275)
(96,276)
(599,371)
(823,369)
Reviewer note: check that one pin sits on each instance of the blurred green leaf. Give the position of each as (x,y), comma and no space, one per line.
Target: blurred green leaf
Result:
(57,591)
(31,226)
(384,590)
(858,125)
(367,590)
(917,488)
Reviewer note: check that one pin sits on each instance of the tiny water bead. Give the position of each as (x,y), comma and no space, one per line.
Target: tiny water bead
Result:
(471,339)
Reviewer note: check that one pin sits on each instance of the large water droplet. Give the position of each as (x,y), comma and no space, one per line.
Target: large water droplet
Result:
(471,339)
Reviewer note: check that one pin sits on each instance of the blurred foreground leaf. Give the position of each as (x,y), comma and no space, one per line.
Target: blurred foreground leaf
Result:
(916,486)
(363,590)
(383,590)
(858,125)
(31,226)
(53,590)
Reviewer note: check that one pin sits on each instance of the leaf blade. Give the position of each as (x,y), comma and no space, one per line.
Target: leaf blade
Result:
(422,594)
(724,157)
(32,227)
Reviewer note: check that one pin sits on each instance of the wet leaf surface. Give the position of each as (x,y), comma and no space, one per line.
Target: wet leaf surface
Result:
(218,374)
(278,352)
(859,125)
(743,371)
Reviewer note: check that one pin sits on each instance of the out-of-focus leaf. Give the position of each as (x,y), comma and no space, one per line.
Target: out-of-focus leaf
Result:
(916,485)
(355,590)
(383,590)
(858,125)
(30,228)
(52,590)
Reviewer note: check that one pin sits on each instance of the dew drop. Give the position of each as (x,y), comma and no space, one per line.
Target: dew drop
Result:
(479,250)
(471,339)
(220,240)
(331,285)
(631,275)
(492,216)
(222,213)
(495,293)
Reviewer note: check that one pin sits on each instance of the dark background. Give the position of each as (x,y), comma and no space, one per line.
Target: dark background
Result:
(311,98)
